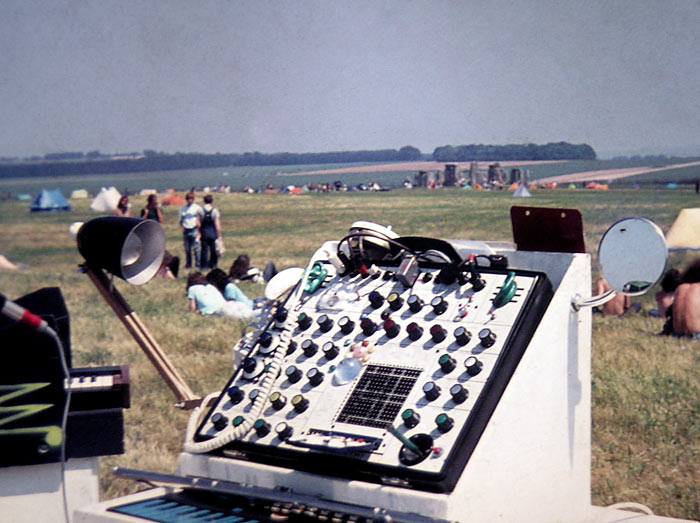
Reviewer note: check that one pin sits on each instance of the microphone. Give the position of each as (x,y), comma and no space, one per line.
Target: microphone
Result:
(16,312)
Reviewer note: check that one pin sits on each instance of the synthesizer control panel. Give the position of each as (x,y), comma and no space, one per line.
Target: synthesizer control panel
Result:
(388,374)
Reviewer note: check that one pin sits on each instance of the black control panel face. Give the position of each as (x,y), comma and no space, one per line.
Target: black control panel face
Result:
(381,376)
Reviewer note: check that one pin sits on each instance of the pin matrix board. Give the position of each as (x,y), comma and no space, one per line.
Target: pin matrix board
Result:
(379,377)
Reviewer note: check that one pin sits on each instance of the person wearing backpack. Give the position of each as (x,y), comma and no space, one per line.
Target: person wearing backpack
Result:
(211,231)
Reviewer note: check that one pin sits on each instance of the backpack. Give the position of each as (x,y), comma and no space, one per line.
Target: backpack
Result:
(208,229)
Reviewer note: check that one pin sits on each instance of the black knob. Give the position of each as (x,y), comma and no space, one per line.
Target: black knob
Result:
(437,333)
(249,365)
(473,366)
(277,400)
(395,301)
(414,330)
(291,347)
(387,275)
(385,315)
(324,323)
(444,422)
(459,393)
(219,421)
(346,325)
(284,430)
(265,339)
(262,427)
(427,277)
(438,304)
(300,403)
(375,299)
(410,418)
(462,336)
(391,328)
(447,363)
(368,326)
(235,394)
(330,350)
(487,337)
(303,321)
(477,282)
(415,304)
(448,274)
(309,348)
(315,376)
(281,315)
(293,373)
(431,391)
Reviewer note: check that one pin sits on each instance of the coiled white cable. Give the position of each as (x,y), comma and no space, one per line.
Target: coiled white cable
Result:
(269,377)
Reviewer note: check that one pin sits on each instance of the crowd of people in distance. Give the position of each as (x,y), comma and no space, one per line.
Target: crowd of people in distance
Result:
(215,293)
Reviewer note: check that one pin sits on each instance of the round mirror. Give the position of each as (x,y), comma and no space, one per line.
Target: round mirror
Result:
(633,255)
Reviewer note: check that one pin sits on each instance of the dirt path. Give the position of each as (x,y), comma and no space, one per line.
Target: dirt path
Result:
(610,174)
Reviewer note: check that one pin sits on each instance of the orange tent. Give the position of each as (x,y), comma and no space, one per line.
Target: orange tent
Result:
(173,199)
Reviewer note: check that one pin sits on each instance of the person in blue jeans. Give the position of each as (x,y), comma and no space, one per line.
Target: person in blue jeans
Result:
(190,222)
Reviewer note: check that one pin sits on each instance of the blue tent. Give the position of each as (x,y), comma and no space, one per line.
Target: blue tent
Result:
(50,201)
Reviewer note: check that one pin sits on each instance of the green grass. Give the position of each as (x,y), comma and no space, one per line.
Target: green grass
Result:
(646,406)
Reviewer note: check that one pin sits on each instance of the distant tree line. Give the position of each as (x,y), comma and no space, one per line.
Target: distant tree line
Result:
(94,162)
(515,152)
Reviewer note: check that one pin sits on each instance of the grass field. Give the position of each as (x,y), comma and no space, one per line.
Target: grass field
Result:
(646,388)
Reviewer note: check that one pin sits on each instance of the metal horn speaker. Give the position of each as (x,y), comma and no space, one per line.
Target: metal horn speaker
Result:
(130,248)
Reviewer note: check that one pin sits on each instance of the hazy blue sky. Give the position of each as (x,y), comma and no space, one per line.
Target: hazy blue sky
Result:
(304,76)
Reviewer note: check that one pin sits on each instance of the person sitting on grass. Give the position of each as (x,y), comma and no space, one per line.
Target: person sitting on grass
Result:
(242,271)
(205,299)
(230,290)
(618,305)
(664,298)
(684,313)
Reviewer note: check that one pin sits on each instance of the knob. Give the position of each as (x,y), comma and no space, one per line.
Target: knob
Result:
(262,427)
(346,325)
(395,301)
(410,418)
(368,326)
(303,321)
(293,374)
(277,400)
(415,304)
(427,277)
(315,376)
(375,299)
(284,430)
(462,336)
(387,275)
(219,421)
(448,274)
(330,350)
(265,339)
(414,330)
(249,366)
(487,337)
(324,323)
(459,393)
(291,347)
(431,391)
(281,315)
(253,395)
(391,328)
(438,304)
(238,420)
(300,403)
(444,422)
(473,366)
(235,394)
(477,282)
(309,348)
(438,333)
(447,363)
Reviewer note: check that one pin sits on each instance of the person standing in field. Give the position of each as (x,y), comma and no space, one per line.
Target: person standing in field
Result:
(190,222)
(123,208)
(211,231)
(152,210)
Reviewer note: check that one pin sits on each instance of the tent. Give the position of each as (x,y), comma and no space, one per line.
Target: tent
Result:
(522,192)
(79,194)
(685,231)
(173,199)
(52,200)
(106,200)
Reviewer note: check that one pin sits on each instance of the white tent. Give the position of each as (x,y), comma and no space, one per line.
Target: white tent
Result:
(522,192)
(78,194)
(685,231)
(106,200)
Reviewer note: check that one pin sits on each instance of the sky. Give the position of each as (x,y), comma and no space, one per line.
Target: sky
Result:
(210,76)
